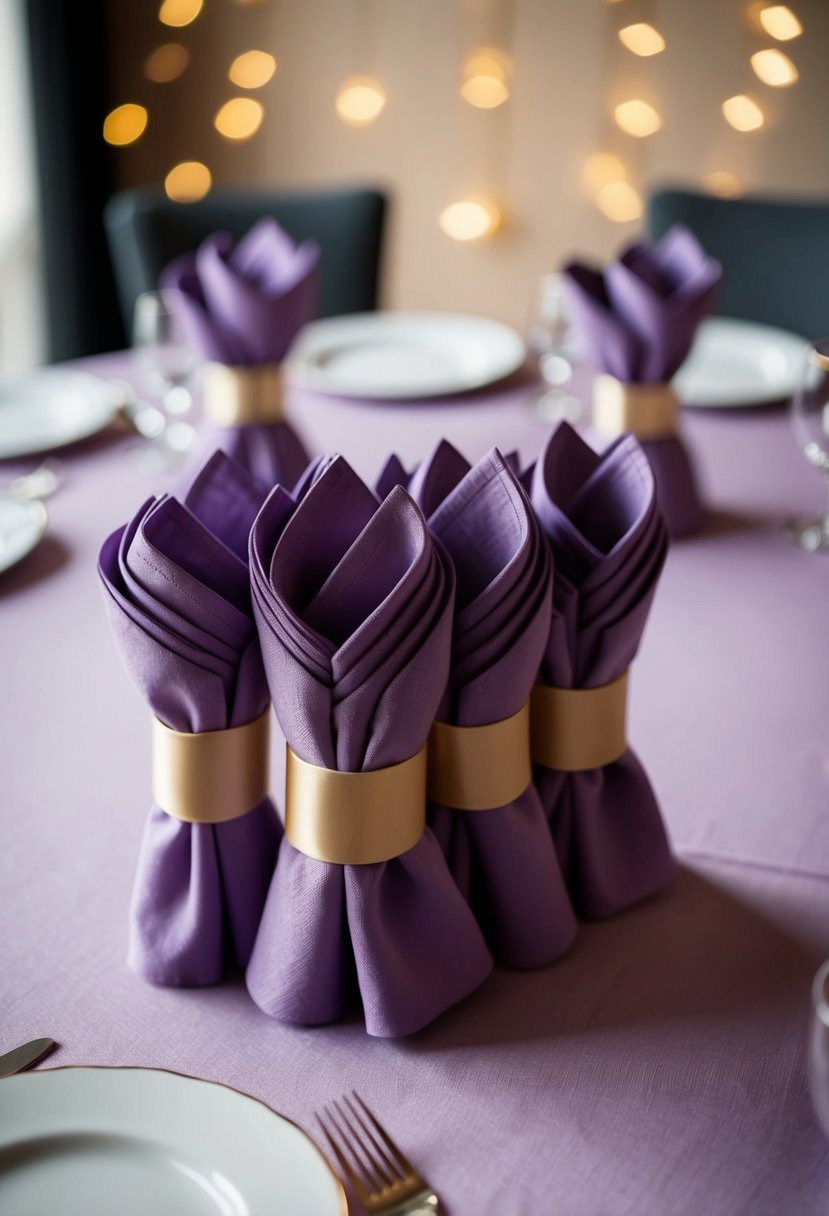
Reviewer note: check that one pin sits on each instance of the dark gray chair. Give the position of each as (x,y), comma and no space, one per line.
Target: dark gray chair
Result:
(145,231)
(775,254)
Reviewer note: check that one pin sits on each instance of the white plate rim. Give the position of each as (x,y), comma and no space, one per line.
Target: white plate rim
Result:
(220,1085)
(789,342)
(318,335)
(100,414)
(40,522)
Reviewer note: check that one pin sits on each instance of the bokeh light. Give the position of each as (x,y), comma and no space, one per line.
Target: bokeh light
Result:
(252,69)
(166,62)
(619,202)
(774,68)
(780,22)
(743,113)
(602,169)
(637,118)
(485,75)
(470,219)
(239,118)
(188,181)
(360,99)
(125,124)
(179,12)
(642,39)
(723,183)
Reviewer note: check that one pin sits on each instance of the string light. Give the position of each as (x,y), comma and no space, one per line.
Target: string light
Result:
(774,68)
(188,181)
(166,62)
(360,100)
(619,202)
(602,169)
(743,113)
(780,22)
(637,118)
(239,118)
(179,12)
(470,219)
(485,80)
(723,184)
(252,69)
(642,39)
(125,124)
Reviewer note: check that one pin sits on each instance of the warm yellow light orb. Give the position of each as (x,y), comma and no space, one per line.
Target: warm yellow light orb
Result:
(602,169)
(125,124)
(360,100)
(485,76)
(179,12)
(166,62)
(774,68)
(743,113)
(619,202)
(239,118)
(779,22)
(252,69)
(188,182)
(470,219)
(637,118)
(642,39)
(723,184)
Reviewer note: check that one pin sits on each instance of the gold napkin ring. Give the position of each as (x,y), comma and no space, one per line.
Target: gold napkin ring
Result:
(649,411)
(239,396)
(355,819)
(213,776)
(573,729)
(476,768)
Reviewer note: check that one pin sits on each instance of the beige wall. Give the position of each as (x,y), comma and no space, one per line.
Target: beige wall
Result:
(429,148)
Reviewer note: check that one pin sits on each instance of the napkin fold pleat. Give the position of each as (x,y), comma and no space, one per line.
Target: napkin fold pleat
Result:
(354,604)
(606,822)
(177,593)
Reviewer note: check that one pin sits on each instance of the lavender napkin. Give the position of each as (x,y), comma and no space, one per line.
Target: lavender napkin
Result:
(637,321)
(177,593)
(354,607)
(503,859)
(609,542)
(243,305)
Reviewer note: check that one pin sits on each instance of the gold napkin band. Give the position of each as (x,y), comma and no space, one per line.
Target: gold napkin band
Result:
(572,729)
(649,411)
(476,768)
(354,819)
(238,396)
(213,776)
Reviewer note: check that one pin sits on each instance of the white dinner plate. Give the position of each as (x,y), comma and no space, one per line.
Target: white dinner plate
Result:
(98,1141)
(740,363)
(50,409)
(22,526)
(399,355)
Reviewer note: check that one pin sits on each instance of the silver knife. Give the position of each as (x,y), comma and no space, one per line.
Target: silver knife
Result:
(24,1057)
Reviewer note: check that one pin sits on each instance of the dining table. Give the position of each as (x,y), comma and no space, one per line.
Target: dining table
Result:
(659,1068)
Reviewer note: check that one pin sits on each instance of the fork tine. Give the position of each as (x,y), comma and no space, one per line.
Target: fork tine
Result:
(372,1167)
(402,1162)
(390,1164)
(354,1181)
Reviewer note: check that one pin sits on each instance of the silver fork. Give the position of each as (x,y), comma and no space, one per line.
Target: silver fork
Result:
(383,1179)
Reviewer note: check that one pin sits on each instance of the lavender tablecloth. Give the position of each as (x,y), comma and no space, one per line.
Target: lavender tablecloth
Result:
(657,1069)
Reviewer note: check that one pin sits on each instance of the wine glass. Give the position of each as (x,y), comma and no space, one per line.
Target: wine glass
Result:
(165,363)
(550,342)
(818,1064)
(810,422)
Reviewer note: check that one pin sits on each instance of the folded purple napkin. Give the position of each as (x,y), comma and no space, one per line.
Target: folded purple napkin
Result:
(637,321)
(503,859)
(242,305)
(609,542)
(177,593)
(353,602)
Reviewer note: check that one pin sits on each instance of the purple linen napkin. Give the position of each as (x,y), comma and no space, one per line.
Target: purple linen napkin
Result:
(637,321)
(243,305)
(609,543)
(354,606)
(177,593)
(503,859)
